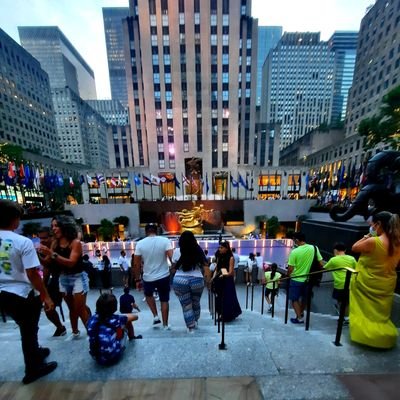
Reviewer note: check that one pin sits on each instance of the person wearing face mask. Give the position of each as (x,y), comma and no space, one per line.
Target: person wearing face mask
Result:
(372,289)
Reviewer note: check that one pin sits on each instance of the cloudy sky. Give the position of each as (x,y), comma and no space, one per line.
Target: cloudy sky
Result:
(82,22)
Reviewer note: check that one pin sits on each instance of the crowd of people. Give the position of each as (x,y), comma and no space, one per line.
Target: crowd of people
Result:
(156,268)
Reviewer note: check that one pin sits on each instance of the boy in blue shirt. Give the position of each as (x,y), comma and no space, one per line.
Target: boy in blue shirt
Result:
(106,330)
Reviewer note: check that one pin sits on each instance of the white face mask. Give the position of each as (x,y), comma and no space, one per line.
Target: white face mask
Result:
(372,231)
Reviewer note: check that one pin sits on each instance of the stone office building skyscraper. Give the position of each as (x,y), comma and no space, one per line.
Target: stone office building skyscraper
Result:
(112,18)
(191,83)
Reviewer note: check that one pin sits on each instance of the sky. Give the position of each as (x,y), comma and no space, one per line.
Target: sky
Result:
(82,22)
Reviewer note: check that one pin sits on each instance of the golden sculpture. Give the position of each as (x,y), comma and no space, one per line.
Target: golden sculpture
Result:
(191,220)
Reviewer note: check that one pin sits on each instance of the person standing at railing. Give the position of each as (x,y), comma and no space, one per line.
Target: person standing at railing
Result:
(300,260)
(223,284)
(340,260)
(372,289)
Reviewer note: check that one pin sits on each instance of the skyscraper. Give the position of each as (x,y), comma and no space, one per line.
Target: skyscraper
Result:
(344,45)
(377,64)
(112,18)
(26,109)
(268,38)
(59,58)
(191,84)
(298,79)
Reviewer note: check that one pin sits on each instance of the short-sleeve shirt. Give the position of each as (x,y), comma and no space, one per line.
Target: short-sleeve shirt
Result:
(124,262)
(105,338)
(125,303)
(153,250)
(339,277)
(17,254)
(236,260)
(301,259)
(270,282)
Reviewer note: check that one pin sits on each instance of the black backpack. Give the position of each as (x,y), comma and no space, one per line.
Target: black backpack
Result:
(315,279)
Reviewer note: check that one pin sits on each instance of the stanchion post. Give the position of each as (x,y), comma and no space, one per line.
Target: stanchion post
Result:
(262,298)
(252,296)
(343,306)
(287,301)
(309,297)
(247,296)
(222,345)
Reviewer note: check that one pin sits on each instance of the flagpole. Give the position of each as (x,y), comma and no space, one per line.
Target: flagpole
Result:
(134,180)
(237,188)
(151,191)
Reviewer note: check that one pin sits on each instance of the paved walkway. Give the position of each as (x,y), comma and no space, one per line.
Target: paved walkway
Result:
(264,359)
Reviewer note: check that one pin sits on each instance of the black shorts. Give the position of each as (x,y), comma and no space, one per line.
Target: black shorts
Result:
(162,286)
(341,295)
(269,291)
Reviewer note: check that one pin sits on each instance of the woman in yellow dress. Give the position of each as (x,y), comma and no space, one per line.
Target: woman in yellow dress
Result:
(372,289)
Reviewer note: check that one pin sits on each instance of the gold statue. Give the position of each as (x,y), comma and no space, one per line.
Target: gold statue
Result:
(191,220)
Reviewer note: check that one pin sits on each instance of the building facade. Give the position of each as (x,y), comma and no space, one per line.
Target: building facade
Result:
(81,130)
(298,79)
(191,68)
(268,38)
(113,30)
(118,132)
(59,58)
(26,109)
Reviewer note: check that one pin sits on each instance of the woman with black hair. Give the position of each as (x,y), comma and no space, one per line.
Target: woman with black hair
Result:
(226,302)
(65,255)
(372,289)
(271,284)
(188,282)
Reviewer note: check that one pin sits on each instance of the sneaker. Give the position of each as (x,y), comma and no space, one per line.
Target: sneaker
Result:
(296,321)
(270,310)
(144,299)
(76,335)
(136,337)
(60,332)
(190,330)
(44,352)
(156,320)
(166,328)
(43,370)
(156,297)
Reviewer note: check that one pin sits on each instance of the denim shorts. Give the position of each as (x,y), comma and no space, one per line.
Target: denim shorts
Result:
(162,285)
(297,290)
(74,283)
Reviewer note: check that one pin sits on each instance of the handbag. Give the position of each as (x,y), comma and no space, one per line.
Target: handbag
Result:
(315,279)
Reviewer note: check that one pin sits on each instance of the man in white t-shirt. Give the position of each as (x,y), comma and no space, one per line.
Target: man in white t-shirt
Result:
(22,291)
(260,268)
(124,265)
(154,252)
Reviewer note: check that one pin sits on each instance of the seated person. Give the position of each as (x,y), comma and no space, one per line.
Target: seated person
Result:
(127,302)
(106,331)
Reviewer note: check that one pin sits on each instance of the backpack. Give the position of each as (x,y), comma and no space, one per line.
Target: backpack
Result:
(315,279)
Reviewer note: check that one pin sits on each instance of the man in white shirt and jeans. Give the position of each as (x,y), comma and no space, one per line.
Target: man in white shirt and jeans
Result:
(124,267)
(154,252)
(22,291)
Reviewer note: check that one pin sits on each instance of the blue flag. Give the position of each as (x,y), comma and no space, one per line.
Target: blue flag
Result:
(234,183)
(207,186)
(242,182)
(177,183)
(137,180)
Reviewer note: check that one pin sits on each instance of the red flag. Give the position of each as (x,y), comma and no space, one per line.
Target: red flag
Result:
(113,182)
(11,169)
(71,182)
(21,171)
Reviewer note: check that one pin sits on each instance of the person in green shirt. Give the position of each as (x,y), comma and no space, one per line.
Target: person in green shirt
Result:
(299,263)
(340,260)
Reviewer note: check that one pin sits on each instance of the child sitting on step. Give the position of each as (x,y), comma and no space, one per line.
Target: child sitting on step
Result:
(107,331)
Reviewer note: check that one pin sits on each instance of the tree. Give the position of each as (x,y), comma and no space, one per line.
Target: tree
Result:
(106,229)
(385,126)
(10,152)
(273,227)
(122,220)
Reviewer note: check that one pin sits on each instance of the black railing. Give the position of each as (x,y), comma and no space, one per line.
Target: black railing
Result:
(343,305)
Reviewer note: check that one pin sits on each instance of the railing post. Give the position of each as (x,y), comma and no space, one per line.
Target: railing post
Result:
(343,306)
(247,297)
(287,301)
(262,298)
(273,299)
(252,297)
(222,345)
(309,297)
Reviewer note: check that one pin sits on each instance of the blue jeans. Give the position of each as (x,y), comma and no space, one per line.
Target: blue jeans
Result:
(188,289)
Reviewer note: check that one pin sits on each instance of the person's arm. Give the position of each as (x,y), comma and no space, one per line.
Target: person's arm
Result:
(365,245)
(168,254)
(231,270)
(290,269)
(75,256)
(137,266)
(37,283)
(135,306)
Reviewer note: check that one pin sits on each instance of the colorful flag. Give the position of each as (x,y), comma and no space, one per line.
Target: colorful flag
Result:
(146,180)
(36,180)
(242,182)
(177,183)
(59,181)
(81,179)
(234,183)
(89,180)
(113,182)
(71,182)
(136,179)
(11,170)
(100,178)
(185,180)
(207,186)
(155,180)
